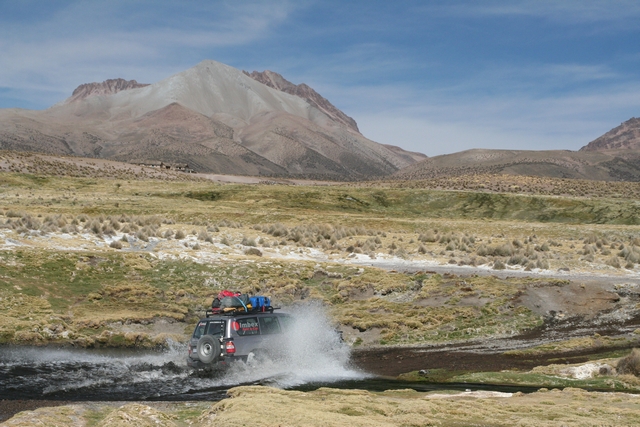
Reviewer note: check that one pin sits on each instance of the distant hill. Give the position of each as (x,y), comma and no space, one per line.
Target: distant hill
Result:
(615,156)
(212,117)
(592,165)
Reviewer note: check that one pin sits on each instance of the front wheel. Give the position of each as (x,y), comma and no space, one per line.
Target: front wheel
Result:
(208,349)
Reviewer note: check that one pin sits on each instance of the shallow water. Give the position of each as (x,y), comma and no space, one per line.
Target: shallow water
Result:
(40,373)
(313,353)
(74,374)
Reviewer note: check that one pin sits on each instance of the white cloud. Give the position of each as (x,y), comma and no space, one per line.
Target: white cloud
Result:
(92,41)
(566,11)
(433,124)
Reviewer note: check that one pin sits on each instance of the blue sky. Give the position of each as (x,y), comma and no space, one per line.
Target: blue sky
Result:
(429,76)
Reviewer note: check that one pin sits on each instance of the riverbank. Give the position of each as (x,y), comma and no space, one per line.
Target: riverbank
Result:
(328,407)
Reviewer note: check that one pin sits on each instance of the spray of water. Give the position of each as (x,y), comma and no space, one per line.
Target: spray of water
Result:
(312,352)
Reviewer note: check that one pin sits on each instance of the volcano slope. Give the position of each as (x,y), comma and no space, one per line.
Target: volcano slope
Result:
(210,118)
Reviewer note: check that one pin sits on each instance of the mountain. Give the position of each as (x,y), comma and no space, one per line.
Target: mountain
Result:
(213,117)
(622,139)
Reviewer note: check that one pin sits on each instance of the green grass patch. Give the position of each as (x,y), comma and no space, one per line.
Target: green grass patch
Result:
(594,343)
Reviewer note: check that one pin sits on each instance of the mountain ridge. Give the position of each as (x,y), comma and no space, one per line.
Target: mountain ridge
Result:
(276,81)
(211,116)
(623,137)
(107,87)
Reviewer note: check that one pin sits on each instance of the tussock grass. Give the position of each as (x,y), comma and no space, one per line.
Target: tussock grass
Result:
(328,407)
(592,343)
(630,364)
(459,228)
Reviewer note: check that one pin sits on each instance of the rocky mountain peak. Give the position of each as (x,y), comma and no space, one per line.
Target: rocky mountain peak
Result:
(107,87)
(624,137)
(276,81)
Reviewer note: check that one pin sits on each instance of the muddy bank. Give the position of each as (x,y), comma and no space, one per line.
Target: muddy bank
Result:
(488,355)
(391,362)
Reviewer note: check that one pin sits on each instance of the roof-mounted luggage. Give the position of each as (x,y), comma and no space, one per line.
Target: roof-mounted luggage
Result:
(228,302)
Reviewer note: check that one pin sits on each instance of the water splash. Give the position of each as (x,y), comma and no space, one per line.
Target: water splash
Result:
(313,353)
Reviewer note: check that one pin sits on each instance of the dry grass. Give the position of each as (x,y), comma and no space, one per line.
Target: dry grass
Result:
(514,184)
(330,407)
(585,344)
(630,364)
(111,222)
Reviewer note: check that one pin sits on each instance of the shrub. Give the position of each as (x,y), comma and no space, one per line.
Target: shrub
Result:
(249,241)
(95,227)
(498,265)
(613,262)
(142,236)
(517,259)
(542,248)
(482,251)
(429,236)
(253,251)
(630,364)
(116,244)
(542,264)
(180,234)
(108,230)
(277,230)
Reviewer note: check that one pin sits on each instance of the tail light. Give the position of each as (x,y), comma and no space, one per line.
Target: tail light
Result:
(230,347)
(190,350)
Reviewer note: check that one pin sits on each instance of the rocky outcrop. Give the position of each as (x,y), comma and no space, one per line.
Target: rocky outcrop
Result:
(624,137)
(107,87)
(276,81)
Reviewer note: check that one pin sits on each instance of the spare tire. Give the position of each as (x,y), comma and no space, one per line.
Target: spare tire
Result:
(208,349)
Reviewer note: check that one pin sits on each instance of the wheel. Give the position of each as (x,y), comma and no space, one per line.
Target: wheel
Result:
(208,349)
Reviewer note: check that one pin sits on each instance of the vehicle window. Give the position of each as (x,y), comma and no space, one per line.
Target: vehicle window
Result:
(269,325)
(199,330)
(246,326)
(216,328)
(286,322)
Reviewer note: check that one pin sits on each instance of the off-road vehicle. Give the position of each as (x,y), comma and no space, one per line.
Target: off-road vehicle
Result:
(223,338)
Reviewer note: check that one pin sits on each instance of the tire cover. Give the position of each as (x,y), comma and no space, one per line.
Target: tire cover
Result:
(208,349)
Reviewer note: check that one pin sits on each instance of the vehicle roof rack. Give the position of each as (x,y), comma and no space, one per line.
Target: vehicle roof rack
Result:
(210,312)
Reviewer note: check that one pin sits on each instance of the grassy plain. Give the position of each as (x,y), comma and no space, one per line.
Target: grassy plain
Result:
(96,261)
(132,262)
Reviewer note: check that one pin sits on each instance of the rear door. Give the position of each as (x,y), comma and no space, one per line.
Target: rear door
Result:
(246,332)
